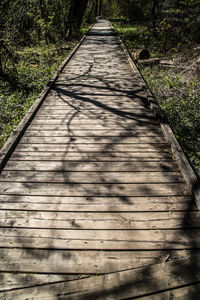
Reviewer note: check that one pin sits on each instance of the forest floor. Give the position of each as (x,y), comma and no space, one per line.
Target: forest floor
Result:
(34,67)
(175,83)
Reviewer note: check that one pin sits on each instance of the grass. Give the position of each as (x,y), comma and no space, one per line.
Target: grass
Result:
(177,90)
(137,36)
(179,99)
(34,68)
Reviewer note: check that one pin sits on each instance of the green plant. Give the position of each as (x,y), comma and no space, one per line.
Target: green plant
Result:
(179,99)
(35,67)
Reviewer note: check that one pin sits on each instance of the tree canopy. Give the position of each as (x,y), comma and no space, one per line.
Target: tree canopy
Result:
(29,22)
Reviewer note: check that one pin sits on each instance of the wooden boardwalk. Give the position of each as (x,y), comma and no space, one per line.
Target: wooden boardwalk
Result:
(93,203)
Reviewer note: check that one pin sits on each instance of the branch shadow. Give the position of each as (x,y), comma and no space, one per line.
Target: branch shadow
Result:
(96,98)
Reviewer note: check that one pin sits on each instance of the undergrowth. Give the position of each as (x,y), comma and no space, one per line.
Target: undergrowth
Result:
(177,90)
(26,76)
(33,69)
(179,99)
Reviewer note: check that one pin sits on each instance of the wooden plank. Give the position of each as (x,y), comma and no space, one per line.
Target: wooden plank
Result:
(130,284)
(78,262)
(133,98)
(79,94)
(92,156)
(118,104)
(129,106)
(91,177)
(11,281)
(100,239)
(98,127)
(94,119)
(102,148)
(68,140)
(97,105)
(52,206)
(110,113)
(103,189)
(94,132)
(183,162)
(15,137)
(182,293)
(102,119)
(104,204)
(92,166)
(97,220)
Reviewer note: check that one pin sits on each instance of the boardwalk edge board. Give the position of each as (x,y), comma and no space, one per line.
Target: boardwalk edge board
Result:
(183,163)
(17,134)
(128,284)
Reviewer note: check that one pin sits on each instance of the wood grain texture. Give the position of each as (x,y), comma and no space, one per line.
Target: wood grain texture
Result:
(91,177)
(96,204)
(103,189)
(97,220)
(90,133)
(110,166)
(97,147)
(100,239)
(75,262)
(122,285)
(85,156)
(67,140)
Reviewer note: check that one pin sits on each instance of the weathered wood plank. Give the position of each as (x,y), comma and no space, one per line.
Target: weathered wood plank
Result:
(104,204)
(108,140)
(113,113)
(76,262)
(143,282)
(128,106)
(42,120)
(191,291)
(97,220)
(100,239)
(92,166)
(94,132)
(103,189)
(11,281)
(91,177)
(92,156)
(98,127)
(98,104)
(23,206)
(92,119)
(102,148)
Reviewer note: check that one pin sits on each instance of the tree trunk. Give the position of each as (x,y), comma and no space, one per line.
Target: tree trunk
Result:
(156,12)
(100,7)
(153,13)
(96,8)
(75,17)
(93,10)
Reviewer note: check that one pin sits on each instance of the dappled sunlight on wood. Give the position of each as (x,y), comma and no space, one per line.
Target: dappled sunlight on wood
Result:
(93,188)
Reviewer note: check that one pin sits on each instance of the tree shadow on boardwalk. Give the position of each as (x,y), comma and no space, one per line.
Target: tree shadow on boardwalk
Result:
(191,265)
(90,102)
